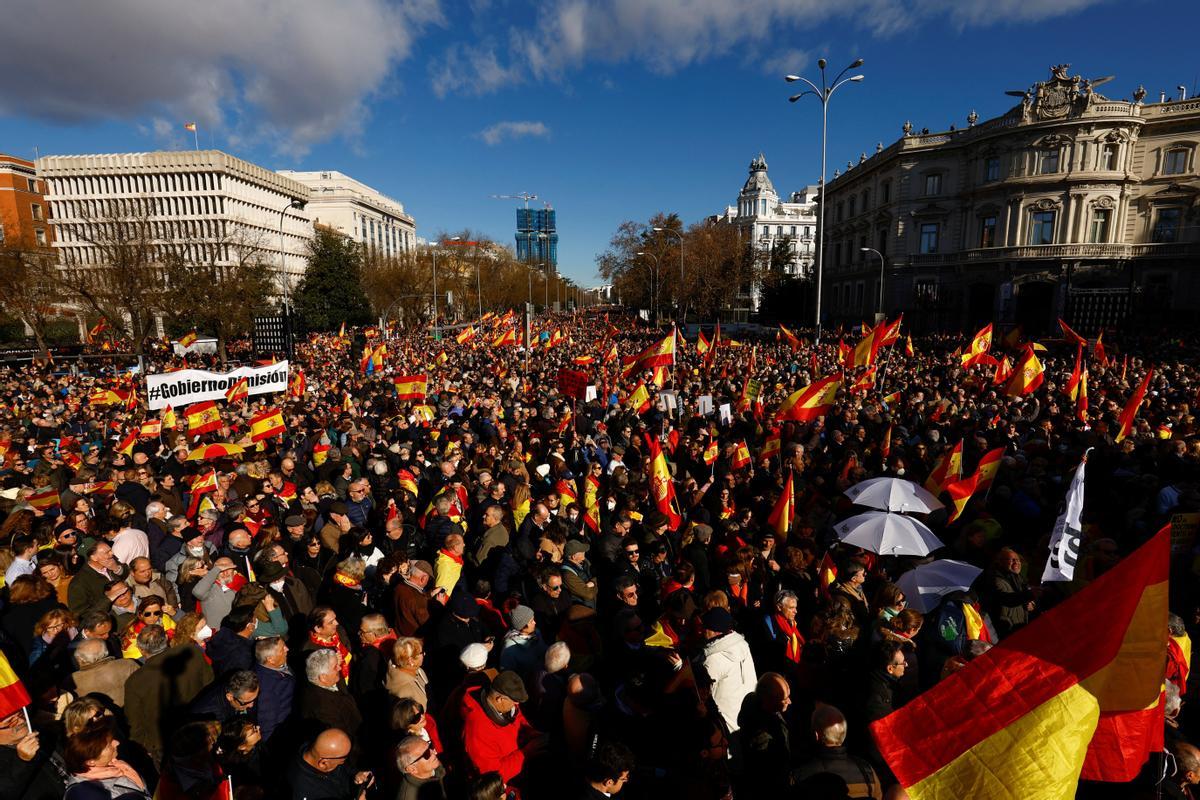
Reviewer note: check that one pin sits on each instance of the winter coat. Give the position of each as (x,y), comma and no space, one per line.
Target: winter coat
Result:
(1006,594)
(727,667)
(107,678)
(164,685)
(491,746)
(277,691)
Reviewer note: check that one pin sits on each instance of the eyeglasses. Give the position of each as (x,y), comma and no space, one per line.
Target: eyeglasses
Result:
(631,552)
(554,587)
(149,614)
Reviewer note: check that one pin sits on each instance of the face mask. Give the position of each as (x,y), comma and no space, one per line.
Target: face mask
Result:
(900,471)
(612,504)
(196,551)
(204,633)
(277,585)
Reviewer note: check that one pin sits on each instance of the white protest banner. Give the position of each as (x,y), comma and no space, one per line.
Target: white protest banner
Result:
(704,405)
(725,414)
(1065,540)
(179,388)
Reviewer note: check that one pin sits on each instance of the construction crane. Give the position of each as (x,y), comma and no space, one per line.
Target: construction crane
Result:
(525,196)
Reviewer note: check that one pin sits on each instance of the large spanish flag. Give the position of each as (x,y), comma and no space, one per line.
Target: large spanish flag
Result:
(1074,694)
(410,387)
(1027,377)
(866,350)
(946,470)
(1129,413)
(784,511)
(662,486)
(812,401)
(981,342)
(659,354)
(266,424)
(202,418)
(988,466)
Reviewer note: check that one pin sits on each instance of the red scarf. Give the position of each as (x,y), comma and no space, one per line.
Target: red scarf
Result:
(740,592)
(456,559)
(794,640)
(334,643)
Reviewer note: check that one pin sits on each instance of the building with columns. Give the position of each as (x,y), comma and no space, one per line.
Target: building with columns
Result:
(1069,205)
(200,204)
(356,210)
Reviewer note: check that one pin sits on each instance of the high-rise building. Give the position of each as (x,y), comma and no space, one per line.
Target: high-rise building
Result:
(537,237)
(24,214)
(200,204)
(356,210)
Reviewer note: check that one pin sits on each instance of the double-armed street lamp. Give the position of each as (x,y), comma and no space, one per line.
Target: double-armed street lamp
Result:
(653,282)
(679,236)
(284,281)
(824,93)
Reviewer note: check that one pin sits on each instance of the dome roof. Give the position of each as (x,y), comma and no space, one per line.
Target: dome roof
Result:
(758,183)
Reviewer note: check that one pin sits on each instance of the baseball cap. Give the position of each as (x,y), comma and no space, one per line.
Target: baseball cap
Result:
(509,684)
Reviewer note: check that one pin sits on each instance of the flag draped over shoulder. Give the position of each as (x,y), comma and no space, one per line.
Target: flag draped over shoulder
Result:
(1074,694)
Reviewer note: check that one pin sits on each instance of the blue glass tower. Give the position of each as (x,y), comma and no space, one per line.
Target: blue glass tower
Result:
(537,237)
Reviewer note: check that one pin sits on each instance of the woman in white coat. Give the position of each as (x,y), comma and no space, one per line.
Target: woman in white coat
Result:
(725,666)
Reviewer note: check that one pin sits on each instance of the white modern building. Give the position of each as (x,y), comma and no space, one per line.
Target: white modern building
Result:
(772,223)
(356,210)
(194,200)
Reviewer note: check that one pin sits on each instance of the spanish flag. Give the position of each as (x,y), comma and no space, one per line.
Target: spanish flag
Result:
(946,470)
(662,486)
(13,695)
(1081,401)
(1075,694)
(407,482)
(960,494)
(784,511)
(566,495)
(509,337)
(126,445)
(298,385)
(771,445)
(98,329)
(1125,421)
(639,399)
(611,355)
(792,340)
(864,383)
(981,342)
(201,485)
(465,335)
(320,452)
(1027,376)
(711,452)
(811,402)
(702,345)
(44,499)
(891,333)
(741,456)
(1004,371)
(410,387)
(202,418)
(1072,387)
(659,354)
(189,126)
(1070,335)
(188,339)
(892,399)
(168,418)
(908,348)
(989,465)
(266,424)
(103,488)
(866,350)
(238,392)
(150,428)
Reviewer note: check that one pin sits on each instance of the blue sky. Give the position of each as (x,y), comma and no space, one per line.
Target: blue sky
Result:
(607,109)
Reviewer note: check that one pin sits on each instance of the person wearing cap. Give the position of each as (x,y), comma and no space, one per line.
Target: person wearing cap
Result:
(496,735)
(577,573)
(523,647)
(217,589)
(290,593)
(725,668)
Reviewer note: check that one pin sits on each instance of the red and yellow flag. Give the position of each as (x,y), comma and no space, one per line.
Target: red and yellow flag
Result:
(711,452)
(266,424)
(1070,335)
(1125,421)
(1027,376)
(792,340)
(509,337)
(989,465)
(566,494)
(201,485)
(662,487)
(659,354)
(1081,401)
(866,350)
(465,335)
(150,428)
(960,494)
(639,399)
(188,339)
(126,445)
(13,695)
(168,418)
(239,392)
(410,387)
(297,386)
(981,342)
(1072,387)
(811,402)
(771,447)
(44,499)
(946,470)
(1075,694)
(1004,371)
(202,417)
(741,456)
(908,348)
(784,511)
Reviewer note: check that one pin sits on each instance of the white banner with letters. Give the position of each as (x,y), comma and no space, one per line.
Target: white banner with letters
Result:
(179,388)
(1068,532)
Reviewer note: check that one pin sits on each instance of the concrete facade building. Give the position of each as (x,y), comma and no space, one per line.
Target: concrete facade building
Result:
(199,203)
(772,223)
(356,210)
(24,213)
(1069,205)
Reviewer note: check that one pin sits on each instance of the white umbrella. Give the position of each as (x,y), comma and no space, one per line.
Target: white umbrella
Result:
(893,494)
(888,534)
(925,586)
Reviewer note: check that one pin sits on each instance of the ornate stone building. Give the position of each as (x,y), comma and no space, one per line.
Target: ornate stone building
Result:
(1070,204)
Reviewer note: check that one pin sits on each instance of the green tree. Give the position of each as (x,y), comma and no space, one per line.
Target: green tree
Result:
(332,291)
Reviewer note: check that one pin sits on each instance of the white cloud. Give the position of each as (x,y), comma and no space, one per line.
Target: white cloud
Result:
(292,72)
(667,36)
(495,134)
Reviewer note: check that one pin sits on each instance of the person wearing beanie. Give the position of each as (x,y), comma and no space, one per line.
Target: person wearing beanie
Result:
(523,648)
(725,668)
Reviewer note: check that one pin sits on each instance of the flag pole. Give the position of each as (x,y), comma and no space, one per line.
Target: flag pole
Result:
(196,135)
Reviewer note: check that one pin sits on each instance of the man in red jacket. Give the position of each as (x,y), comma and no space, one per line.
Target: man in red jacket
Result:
(496,735)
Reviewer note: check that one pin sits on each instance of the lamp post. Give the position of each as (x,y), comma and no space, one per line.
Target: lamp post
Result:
(653,284)
(823,94)
(532,267)
(284,283)
(878,310)
(679,236)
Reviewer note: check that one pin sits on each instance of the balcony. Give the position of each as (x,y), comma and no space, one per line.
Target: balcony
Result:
(1052,252)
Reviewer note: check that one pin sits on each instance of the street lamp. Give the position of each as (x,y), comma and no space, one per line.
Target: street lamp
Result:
(678,235)
(285,284)
(653,284)
(878,310)
(823,94)
(433,252)
(531,268)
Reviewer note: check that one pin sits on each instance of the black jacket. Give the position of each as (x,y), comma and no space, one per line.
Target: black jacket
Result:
(332,709)
(832,772)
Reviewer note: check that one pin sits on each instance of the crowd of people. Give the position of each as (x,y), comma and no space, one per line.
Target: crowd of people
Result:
(491,593)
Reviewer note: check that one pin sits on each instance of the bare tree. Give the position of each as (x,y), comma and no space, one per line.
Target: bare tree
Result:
(29,289)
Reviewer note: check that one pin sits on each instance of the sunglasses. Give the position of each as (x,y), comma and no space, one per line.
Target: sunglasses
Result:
(149,614)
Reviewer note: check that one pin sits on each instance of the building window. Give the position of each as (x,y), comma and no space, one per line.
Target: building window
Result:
(987,231)
(41,237)
(991,169)
(1041,229)
(881,245)
(1099,231)
(866,199)
(926,291)
(887,191)
(1176,161)
(1108,157)
(933,185)
(1166,227)
(1047,161)
(32,184)
(929,237)
(859,291)
(851,206)
(762,207)
(841,208)
(779,230)
(36,209)
(793,232)
(1,233)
